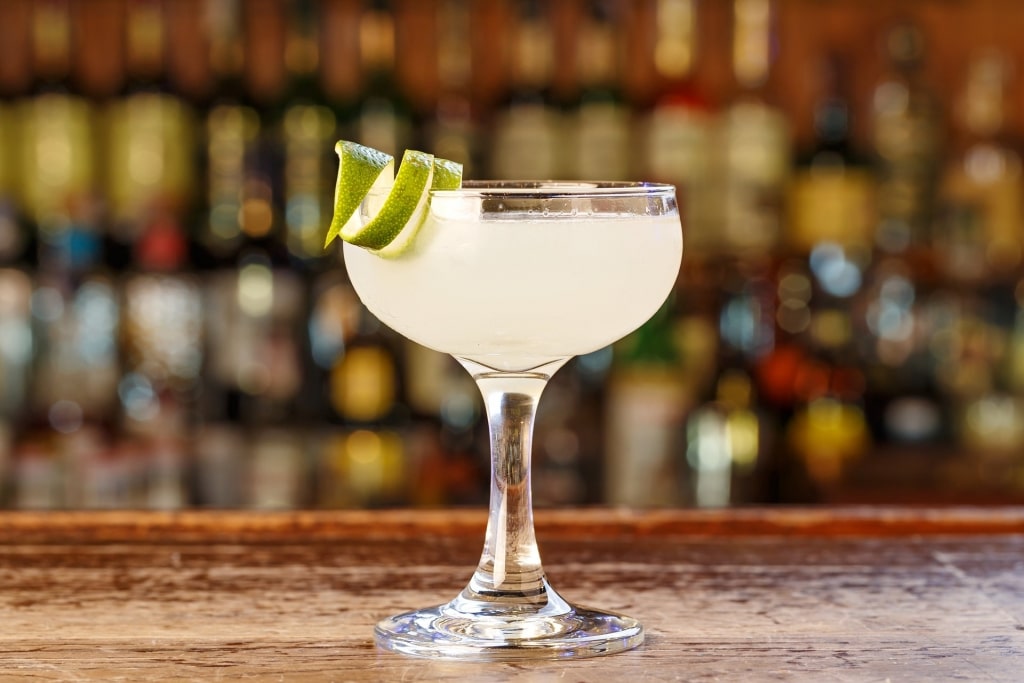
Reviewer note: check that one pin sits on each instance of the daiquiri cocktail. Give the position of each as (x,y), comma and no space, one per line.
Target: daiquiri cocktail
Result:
(512,279)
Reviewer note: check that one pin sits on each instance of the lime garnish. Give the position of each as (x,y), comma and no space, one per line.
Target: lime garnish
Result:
(394,223)
(447,175)
(360,169)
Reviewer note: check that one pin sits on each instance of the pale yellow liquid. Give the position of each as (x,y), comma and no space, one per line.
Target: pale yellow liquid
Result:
(515,293)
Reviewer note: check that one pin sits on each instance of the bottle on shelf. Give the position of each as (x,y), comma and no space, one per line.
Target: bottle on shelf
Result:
(831,193)
(904,399)
(307,134)
(527,136)
(15,239)
(72,307)
(152,197)
(599,123)
(382,118)
(16,347)
(259,160)
(265,78)
(231,134)
(724,442)
(906,134)
(978,235)
(364,463)
(754,140)
(826,429)
(647,401)
(453,133)
(677,147)
(150,145)
(57,191)
(252,383)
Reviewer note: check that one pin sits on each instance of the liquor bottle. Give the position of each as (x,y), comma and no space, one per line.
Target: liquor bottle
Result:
(231,127)
(254,373)
(265,78)
(678,142)
(150,146)
(307,134)
(832,189)
(527,140)
(827,426)
(366,460)
(978,231)
(646,406)
(724,443)
(57,190)
(755,140)
(252,315)
(74,306)
(150,193)
(906,136)
(6,464)
(231,147)
(599,122)
(382,118)
(452,133)
(220,466)
(15,238)
(16,353)
(255,299)
(904,389)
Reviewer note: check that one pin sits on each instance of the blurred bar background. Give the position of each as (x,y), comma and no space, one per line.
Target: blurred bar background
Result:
(848,324)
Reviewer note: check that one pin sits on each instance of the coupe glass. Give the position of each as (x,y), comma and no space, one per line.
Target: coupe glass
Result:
(513,279)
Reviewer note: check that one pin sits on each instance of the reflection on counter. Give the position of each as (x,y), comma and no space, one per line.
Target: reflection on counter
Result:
(849,319)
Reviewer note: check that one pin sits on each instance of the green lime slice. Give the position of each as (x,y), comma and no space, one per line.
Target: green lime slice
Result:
(360,171)
(396,205)
(447,175)
(405,202)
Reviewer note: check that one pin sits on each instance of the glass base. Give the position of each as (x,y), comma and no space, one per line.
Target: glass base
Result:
(444,632)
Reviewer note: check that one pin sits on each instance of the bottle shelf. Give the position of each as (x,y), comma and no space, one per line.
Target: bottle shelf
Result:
(171,333)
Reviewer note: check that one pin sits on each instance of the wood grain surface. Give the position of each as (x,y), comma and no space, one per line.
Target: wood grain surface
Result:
(756,595)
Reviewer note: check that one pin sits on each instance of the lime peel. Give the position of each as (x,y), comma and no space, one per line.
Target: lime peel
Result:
(360,170)
(392,228)
(447,175)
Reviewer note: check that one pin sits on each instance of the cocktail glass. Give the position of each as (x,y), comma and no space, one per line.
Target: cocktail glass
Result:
(513,279)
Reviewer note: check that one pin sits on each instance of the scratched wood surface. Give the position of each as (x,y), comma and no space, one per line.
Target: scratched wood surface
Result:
(755,595)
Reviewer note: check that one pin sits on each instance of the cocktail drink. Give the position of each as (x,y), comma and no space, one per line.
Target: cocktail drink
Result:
(513,279)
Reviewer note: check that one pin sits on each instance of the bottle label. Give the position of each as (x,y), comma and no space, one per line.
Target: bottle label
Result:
(644,440)
(528,143)
(677,145)
(58,154)
(150,154)
(230,131)
(308,131)
(986,203)
(830,205)
(756,142)
(602,142)
(678,148)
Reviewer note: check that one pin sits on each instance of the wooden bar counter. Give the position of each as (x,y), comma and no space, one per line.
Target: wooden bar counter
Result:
(847,594)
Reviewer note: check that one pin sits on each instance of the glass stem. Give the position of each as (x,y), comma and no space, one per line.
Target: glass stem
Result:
(510,572)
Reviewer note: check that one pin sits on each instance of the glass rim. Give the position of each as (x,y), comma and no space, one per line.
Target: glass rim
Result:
(553,189)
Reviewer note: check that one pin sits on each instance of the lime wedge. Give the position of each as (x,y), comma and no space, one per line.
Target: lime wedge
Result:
(447,175)
(360,171)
